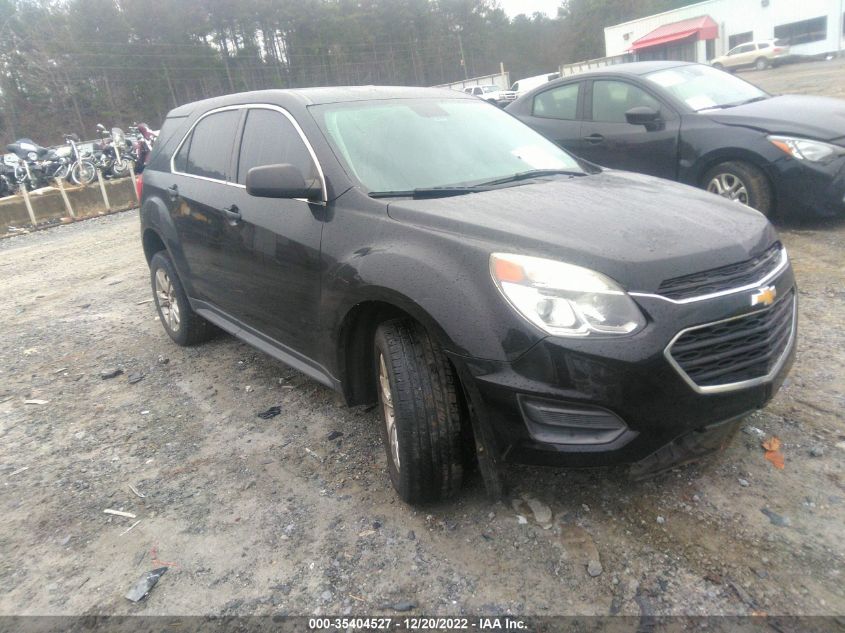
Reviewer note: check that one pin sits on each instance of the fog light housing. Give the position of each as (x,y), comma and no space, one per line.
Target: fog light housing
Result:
(555,422)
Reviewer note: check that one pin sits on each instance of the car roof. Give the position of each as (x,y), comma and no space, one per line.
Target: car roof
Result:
(317,96)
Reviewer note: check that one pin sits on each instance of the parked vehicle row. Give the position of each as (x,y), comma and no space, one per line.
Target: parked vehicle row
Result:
(703,127)
(112,155)
(496,296)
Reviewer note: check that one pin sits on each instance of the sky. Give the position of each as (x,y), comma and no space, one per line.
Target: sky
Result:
(515,7)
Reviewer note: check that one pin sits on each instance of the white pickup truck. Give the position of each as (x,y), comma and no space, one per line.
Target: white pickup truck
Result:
(492,93)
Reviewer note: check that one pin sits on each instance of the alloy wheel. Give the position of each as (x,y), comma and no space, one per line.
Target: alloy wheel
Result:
(167,302)
(386,396)
(730,187)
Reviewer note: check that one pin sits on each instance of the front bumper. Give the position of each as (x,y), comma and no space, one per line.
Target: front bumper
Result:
(664,419)
(810,189)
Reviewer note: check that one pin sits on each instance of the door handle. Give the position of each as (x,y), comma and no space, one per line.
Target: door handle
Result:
(594,138)
(173,191)
(233,213)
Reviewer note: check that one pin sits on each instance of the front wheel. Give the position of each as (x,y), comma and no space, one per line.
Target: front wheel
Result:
(421,413)
(83,172)
(120,168)
(761,64)
(741,182)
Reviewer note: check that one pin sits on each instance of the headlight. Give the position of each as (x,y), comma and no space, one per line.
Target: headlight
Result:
(805,149)
(31,155)
(565,300)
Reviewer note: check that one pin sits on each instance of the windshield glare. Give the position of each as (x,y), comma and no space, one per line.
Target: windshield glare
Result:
(703,87)
(402,145)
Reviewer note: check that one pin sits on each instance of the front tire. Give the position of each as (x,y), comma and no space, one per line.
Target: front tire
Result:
(83,172)
(421,413)
(120,168)
(741,182)
(761,64)
(180,322)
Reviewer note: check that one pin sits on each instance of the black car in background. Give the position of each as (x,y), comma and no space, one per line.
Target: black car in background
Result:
(703,127)
(420,249)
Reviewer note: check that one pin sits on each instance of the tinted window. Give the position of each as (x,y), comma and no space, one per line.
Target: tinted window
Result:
(763,46)
(558,103)
(739,38)
(180,163)
(803,32)
(612,99)
(270,139)
(211,145)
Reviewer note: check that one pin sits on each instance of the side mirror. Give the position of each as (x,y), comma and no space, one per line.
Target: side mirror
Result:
(642,115)
(281,181)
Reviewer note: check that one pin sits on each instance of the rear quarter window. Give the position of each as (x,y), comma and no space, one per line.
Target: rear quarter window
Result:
(210,146)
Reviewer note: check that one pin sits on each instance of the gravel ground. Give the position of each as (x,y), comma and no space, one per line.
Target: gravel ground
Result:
(811,78)
(257,516)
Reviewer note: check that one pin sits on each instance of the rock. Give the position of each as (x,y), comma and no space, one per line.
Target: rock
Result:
(817,451)
(403,605)
(249,389)
(334,435)
(111,372)
(135,378)
(376,525)
(162,360)
(776,519)
(521,519)
(326,596)
(743,483)
(411,535)
(840,445)
(542,512)
(594,568)
(661,520)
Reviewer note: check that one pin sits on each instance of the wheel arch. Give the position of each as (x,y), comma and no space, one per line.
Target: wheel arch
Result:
(355,334)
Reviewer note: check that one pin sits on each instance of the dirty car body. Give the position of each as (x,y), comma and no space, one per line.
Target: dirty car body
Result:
(591,317)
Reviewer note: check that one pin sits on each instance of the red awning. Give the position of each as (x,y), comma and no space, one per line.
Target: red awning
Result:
(703,27)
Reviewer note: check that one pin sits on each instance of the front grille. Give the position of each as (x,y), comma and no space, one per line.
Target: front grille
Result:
(737,350)
(750,271)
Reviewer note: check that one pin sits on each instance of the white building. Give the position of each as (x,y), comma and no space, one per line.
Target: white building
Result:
(699,32)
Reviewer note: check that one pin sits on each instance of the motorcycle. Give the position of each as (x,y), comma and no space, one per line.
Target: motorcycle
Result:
(82,170)
(37,166)
(142,144)
(110,153)
(7,179)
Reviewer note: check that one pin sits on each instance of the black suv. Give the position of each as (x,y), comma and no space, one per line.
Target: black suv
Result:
(420,249)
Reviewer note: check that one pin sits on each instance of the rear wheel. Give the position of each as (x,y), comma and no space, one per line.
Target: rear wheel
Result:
(180,322)
(741,182)
(421,413)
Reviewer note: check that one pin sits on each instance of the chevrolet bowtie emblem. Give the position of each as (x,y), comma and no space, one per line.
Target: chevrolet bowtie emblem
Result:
(764,296)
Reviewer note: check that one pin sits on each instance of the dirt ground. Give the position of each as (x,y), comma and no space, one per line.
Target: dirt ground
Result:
(256,516)
(810,78)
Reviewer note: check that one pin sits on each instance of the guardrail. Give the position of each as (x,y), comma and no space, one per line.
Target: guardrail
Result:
(591,64)
(65,203)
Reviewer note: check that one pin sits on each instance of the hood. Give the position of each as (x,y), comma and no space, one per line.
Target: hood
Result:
(821,118)
(636,229)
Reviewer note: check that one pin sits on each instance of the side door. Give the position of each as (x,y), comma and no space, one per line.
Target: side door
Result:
(276,242)
(609,140)
(742,55)
(199,183)
(555,113)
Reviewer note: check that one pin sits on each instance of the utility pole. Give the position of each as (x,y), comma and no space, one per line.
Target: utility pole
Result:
(463,58)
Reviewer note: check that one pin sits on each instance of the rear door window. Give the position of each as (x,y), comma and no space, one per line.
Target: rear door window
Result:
(269,138)
(211,142)
(558,103)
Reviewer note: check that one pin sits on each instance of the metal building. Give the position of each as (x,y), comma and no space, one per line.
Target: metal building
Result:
(699,32)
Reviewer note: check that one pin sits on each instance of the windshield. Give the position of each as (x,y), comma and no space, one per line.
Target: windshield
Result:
(703,87)
(403,145)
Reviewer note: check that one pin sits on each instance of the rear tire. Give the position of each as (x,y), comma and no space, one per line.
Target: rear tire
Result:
(421,414)
(180,322)
(741,182)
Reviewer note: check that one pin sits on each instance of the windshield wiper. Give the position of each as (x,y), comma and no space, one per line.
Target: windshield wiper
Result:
(725,106)
(429,192)
(533,173)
